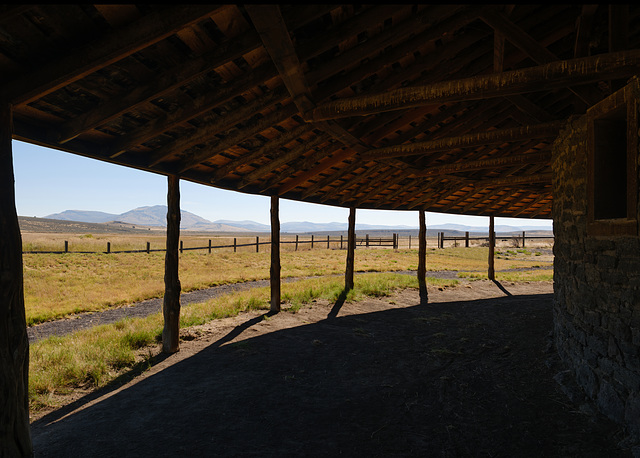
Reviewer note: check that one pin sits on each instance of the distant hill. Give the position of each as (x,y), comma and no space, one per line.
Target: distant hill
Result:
(156,216)
(146,216)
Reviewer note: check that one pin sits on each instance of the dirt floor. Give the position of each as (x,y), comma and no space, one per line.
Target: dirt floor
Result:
(469,374)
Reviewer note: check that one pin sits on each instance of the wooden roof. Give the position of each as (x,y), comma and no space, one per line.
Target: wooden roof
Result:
(447,108)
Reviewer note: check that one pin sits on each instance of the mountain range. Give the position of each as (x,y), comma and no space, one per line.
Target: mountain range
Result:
(157,216)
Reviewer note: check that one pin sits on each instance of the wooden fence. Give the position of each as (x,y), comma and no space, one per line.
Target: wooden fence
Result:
(312,241)
(520,240)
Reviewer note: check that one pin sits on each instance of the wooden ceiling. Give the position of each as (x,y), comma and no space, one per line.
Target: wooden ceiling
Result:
(447,108)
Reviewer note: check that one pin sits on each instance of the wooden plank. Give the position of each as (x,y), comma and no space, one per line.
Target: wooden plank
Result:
(496,136)
(274,270)
(159,86)
(545,77)
(114,46)
(422,258)
(466,166)
(15,436)
(171,303)
(515,180)
(351,249)
(324,165)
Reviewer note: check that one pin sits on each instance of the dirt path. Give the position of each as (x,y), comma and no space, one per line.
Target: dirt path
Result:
(469,374)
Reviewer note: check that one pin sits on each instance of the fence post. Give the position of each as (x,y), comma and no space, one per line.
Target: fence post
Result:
(341,242)
(409,241)
(523,239)
(312,242)
(181,247)
(296,242)
(328,242)
(234,244)
(209,246)
(66,246)
(367,240)
(257,244)
(148,247)
(108,247)
(466,239)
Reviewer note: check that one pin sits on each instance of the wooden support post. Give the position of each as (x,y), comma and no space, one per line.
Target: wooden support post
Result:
(492,247)
(209,246)
(171,304)
(66,246)
(341,241)
(328,242)
(257,244)
(108,247)
(15,435)
(367,240)
(312,242)
(351,250)
(466,239)
(422,258)
(274,276)
(409,241)
(148,247)
(235,245)
(181,246)
(523,237)
(296,242)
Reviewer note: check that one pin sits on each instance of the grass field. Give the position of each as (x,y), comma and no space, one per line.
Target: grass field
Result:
(57,285)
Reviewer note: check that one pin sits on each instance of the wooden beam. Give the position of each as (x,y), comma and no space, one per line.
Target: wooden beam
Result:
(491,273)
(525,207)
(160,85)
(272,29)
(504,161)
(171,303)
(274,271)
(196,107)
(529,45)
(584,26)
(497,136)
(321,167)
(545,77)
(15,436)
(112,47)
(515,180)
(351,249)
(281,158)
(252,128)
(422,258)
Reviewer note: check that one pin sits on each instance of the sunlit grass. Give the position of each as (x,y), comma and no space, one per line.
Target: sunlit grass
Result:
(92,358)
(57,285)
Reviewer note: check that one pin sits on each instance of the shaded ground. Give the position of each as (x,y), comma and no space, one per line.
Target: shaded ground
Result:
(470,374)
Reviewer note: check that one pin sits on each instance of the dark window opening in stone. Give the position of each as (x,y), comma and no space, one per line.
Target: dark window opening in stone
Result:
(610,165)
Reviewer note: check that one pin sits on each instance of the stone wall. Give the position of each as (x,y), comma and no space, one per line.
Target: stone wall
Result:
(597,290)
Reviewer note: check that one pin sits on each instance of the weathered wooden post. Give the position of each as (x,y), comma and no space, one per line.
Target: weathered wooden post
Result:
(15,435)
(148,247)
(492,247)
(312,241)
(108,247)
(341,241)
(409,241)
(351,250)
(66,246)
(296,242)
(171,304)
(257,244)
(366,240)
(209,246)
(181,246)
(466,239)
(523,237)
(422,258)
(274,276)
(234,245)
(328,242)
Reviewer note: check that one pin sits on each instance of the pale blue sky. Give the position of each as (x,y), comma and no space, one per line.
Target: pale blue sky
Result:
(50,181)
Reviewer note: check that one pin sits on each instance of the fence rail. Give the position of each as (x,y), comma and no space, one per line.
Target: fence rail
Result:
(366,241)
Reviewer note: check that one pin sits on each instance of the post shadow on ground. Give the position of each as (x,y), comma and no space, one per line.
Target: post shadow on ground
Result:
(502,288)
(339,303)
(424,295)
